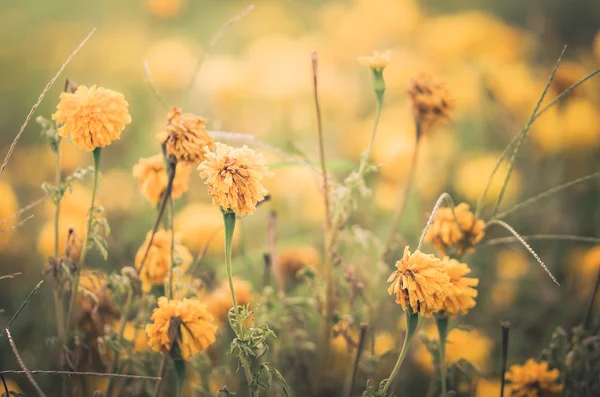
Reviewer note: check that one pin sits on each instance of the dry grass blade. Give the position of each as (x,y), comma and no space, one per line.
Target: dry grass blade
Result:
(22,364)
(438,203)
(12,275)
(555,237)
(24,209)
(16,225)
(40,98)
(71,373)
(524,243)
(21,308)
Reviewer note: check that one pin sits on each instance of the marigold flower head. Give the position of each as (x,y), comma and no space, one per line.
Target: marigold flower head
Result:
(378,60)
(156,266)
(459,229)
(233,176)
(420,282)
(219,301)
(93,117)
(196,328)
(430,102)
(185,136)
(533,379)
(153,178)
(461,294)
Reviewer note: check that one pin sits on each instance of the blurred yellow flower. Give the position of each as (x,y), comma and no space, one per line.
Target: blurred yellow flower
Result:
(512,264)
(185,136)
(430,103)
(45,240)
(420,283)
(489,388)
(165,8)
(533,379)
(293,259)
(171,62)
(472,345)
(93,117)
(582,123)
(157,264)
(379,60)
(152,178)
(196,330)
(462,292)
(219,300)
(503,294)
(8,206)
(458,229)
(567,74)
(136,336)
(233,176)
(199,224)
(472,174)
(117,192)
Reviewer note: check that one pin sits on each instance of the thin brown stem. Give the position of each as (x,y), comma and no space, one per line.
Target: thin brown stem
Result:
(115,363)
(22,364)
(359,349)
(505,326)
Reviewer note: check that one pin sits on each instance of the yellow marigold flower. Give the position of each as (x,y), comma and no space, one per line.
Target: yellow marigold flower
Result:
(378,60)
(473,345)
(420,282)
(233,176)
(459,229)
(196,329)
(152,177)
(293,259)
(219,301)
(462,294)
(533,379)
(156,266)
(93,117)
(430,102)
(8,206)
(185,136)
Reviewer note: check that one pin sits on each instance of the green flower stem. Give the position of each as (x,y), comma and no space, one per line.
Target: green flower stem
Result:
(115,363)
(412,320)
(441,321)
(80,265)
(180,372)
(229,222)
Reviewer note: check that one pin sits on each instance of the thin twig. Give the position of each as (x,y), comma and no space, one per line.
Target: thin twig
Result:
(547,193)
(22,364)
(150,83)
(40,98)
(523,135)
(16,225)
(21,308)
(505,327)
(534,237)
(211,44)
(24,209)
(524,243)
(272,247)
(161,211)
(12,275)
(72,373)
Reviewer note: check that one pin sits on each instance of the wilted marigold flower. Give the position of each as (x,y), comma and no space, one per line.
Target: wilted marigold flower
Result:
(156,266)
(185,136)
(533,379)
(430,103)
(219,301)
(196,328)
(459,229)
(378,60)
(233,177)
(153,178)
(93,117)
(420,282)
(461,293)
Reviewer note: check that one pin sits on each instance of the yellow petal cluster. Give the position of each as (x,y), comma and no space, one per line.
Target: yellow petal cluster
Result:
(459,229)
(533,379)
(219,301)
(430,102)
(156,266)
(152,178)
(461,293)
(378,60)
(185,136)
(233,176)
(196,329)
(93,117)
(420,282)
